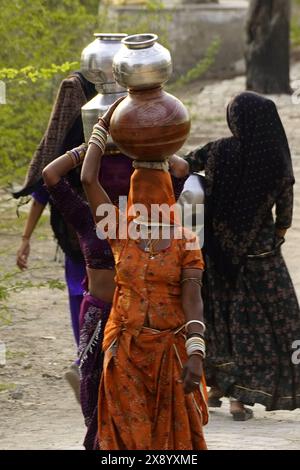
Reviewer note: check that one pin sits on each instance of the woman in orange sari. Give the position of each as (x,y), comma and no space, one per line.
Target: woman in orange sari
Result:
(152,394)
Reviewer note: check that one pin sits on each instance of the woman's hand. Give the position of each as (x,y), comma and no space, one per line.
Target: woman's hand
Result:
(281,232)
(22,254)
(108,114)
(192,373)
(178,166)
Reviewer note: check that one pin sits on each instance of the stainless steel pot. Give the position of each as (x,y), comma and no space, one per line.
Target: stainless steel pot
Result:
(97,57)
(142,62)
(96,66)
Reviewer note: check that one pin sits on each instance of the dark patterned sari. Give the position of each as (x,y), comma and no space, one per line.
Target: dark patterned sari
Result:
(251,309)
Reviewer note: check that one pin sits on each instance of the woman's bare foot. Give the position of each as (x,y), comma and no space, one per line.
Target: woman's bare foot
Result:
(239,411)
(214,396)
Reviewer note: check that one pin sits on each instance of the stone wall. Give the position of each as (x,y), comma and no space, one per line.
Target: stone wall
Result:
(191,28)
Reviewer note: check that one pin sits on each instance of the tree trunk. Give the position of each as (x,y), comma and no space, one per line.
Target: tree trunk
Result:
(268,46)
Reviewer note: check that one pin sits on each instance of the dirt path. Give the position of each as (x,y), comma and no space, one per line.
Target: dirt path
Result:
(37,407)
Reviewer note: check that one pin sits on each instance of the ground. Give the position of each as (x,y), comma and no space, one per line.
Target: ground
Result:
(38,409)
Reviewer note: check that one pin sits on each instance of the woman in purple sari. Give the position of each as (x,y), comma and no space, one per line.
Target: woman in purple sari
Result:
(99,261)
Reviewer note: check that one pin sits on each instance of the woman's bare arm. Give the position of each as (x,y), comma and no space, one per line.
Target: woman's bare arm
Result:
(193,308)
(62,165)
(90,180)
(178,166)
(95,193)
(34,215)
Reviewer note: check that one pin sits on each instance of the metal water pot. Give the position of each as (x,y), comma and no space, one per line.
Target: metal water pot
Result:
(142,62)
(191,201)
(96,66)
(149,124)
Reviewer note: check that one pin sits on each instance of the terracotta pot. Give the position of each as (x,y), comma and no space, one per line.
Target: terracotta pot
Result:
(150,125)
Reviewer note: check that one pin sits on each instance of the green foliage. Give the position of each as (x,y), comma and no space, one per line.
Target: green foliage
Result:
(203,66)
(295,32)
(30,73)
(295,24)
(8,386)
(41,42)
(14,354)
(153,18)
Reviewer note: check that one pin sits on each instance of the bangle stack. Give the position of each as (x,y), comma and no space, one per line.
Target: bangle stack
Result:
(195,344)
(77,154)
(99,136)
(103,123)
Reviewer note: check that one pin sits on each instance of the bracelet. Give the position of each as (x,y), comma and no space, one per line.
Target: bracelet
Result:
(103,122)
(77,154)
(100,128)
(198,353)
(24,237)
(99,137)
(195,340)
(72,156)
(194,334)
(192,351)
(193,279)
(195,345)
(195,321)
(98,143)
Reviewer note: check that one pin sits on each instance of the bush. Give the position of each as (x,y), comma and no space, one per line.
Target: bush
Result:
(35,35)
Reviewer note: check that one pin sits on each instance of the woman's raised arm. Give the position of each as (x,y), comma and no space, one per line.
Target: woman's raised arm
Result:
(61,166)
(92,162)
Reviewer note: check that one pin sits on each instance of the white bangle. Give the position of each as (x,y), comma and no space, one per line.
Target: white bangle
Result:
(191,350)
(196,321)
(193,340)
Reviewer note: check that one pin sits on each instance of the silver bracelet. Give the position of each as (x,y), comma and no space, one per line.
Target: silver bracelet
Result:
(196,321)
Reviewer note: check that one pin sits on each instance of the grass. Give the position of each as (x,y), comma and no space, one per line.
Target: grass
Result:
(15,354)
(5,387)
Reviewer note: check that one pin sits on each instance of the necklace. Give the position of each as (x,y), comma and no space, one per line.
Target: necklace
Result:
(150,246)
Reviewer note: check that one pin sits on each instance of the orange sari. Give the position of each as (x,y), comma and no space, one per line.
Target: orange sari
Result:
(142,404)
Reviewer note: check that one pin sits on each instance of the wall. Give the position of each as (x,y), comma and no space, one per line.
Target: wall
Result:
(191,28)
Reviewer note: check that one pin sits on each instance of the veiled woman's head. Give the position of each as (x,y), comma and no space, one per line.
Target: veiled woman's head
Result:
(248,113)
(115,174)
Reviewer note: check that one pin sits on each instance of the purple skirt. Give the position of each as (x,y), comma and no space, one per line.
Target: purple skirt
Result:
(93,317)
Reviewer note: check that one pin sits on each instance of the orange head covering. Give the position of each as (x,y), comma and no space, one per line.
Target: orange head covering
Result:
(151,197)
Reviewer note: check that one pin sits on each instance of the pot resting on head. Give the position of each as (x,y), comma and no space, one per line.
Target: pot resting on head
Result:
(149,124)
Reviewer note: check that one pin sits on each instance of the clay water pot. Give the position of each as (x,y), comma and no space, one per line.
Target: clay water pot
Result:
(150,125)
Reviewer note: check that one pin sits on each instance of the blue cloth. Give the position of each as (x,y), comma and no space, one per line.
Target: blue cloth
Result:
(75,274)
(41,195)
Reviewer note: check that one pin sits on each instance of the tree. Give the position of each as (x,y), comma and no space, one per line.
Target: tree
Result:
(268,46)
(35,35)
